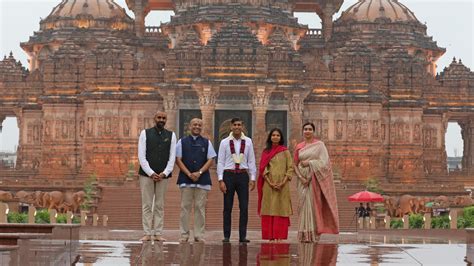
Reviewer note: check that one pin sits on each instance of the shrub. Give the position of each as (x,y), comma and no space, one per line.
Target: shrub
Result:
(372,185)
(415,221)
(440,222)
(467,219)
(62,218)
(463,223)
(469,212)
(89,190)
(15,217)
(42,216)
(396,224)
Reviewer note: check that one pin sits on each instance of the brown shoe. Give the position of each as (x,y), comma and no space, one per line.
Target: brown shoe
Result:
(159,239)
(145,238)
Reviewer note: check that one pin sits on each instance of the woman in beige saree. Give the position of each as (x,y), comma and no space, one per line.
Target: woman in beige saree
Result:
(317,206)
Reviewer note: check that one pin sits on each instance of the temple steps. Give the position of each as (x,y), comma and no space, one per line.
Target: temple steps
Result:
(122,204)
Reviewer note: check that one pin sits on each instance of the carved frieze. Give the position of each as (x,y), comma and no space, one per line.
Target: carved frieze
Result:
(339,129)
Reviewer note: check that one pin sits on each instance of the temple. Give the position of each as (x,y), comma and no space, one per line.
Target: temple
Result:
(368,81)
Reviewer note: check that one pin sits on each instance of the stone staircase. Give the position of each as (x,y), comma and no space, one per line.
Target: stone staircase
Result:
(122,204)
(346,208)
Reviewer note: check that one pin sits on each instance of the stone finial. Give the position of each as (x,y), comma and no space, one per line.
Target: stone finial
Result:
(454,59)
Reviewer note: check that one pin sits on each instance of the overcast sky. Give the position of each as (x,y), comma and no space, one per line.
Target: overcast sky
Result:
(450,22)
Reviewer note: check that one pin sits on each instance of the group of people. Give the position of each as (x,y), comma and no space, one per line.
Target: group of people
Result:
(363,212)
(158,150)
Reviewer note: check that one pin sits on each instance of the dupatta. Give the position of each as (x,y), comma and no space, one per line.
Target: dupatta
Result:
(267,156)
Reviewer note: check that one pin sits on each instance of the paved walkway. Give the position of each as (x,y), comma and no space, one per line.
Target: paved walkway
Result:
(99,246)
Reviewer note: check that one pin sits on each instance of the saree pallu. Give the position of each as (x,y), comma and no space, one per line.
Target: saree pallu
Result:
(317,206)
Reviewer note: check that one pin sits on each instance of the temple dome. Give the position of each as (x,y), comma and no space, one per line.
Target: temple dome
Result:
(88,14)
(372,10)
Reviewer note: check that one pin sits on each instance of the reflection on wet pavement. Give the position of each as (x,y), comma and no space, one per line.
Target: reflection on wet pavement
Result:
(345,249)
(135,253)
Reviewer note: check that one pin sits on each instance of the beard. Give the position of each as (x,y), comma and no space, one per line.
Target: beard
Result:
(160,125)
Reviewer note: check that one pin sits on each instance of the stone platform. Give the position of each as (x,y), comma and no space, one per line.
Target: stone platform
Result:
(99,246)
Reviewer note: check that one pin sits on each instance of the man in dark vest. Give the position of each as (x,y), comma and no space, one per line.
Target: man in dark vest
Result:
(236,171)
(194,156)
(156,154)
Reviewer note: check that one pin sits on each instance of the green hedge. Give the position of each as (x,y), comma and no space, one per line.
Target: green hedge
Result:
(440,222)
(42,217)
(416,221)
(396,224)
(62,219)
(15,217)
(467,219)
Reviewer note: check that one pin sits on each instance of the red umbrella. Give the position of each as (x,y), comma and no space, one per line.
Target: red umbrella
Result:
(366,196)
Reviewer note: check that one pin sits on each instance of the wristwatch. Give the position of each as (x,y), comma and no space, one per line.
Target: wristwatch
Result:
(200,172)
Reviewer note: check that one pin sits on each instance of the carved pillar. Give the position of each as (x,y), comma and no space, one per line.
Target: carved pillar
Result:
(467,137)
(207,103)
(2,118)
(173,39)
(260,100)
(21,131)
(327,22)
(170,106)
(296,104)
(139,9)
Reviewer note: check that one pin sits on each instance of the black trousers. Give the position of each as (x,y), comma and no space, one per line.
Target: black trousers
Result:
(236,182)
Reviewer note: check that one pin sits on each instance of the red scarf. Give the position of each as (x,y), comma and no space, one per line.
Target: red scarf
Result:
(242,149)
(267,156)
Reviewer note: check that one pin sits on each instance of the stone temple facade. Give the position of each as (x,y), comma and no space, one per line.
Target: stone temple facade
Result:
(368,81)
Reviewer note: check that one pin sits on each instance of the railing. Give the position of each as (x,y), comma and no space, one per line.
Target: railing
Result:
(314,33)
(153,31)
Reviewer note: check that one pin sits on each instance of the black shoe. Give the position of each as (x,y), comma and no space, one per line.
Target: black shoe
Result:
(245,240)
(226,240)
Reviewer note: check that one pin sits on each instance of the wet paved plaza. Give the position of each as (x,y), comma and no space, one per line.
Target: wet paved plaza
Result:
(119,247)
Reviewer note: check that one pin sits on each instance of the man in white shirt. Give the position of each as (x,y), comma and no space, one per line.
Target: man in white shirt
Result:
(194,157)
(236,171)
(156,154)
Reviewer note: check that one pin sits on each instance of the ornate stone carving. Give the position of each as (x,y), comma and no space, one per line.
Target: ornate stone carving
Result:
(260,98)
(90,126)
(375,129)
(358,129)
(296,103)
(126,126)
(416,133)
(207,96)
(81,128)
(339,129)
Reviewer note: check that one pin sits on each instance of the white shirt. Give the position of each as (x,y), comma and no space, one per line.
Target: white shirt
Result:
(142,155)
(226,162)
(211,153)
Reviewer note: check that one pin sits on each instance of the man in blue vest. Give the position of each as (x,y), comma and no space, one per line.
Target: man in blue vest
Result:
(194,156)
(156,154)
